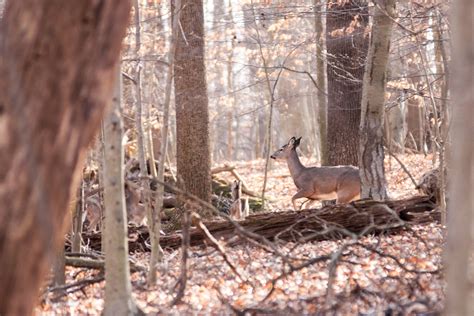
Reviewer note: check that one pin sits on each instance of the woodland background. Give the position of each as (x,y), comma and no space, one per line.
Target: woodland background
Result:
(189,96)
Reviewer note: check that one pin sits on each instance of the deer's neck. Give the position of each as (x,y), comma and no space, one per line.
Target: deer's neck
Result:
(294,164)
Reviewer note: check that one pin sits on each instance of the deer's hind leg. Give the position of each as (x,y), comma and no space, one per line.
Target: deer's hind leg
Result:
(348,189)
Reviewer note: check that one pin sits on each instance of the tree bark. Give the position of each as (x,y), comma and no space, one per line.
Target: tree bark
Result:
(59,268)
(77,223)
(459,246)
(442,65)
(347,44)
(371,155)
(192,116)
(54,91)
(139,124)
(118,289)
(100,171)
(155,222)
(321,69)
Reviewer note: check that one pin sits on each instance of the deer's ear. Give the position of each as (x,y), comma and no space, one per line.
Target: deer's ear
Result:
(292,141)
(297,142)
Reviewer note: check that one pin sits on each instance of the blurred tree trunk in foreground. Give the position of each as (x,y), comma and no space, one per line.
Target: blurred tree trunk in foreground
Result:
(460,246)
(57,62)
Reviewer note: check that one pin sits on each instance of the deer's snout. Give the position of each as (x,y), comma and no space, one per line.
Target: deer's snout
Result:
(273,157)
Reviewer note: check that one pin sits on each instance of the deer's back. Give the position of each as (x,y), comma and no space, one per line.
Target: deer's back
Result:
(327,180)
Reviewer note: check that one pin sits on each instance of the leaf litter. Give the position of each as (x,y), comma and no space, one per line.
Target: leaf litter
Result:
(374,275)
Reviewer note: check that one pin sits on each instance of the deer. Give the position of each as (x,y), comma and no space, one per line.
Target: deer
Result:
(135,209)
(341,183)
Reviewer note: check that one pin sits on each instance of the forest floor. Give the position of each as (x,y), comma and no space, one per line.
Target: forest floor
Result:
(371,275)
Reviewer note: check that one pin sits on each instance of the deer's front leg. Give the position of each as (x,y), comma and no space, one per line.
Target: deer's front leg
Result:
(300,194)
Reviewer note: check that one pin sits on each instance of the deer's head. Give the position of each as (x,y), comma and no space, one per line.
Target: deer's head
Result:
(286,149)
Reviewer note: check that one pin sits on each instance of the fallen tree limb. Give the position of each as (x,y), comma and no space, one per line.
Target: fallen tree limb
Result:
(330,222)
(69,288)
(85,263)
(224,168)
(98,264)
(231,169)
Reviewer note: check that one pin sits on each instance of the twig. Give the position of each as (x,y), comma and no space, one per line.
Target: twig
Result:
(396,260)
(183,277)
(73,287)
(294,269)
(127,76)
(336,256)
(256,239)
(247,310)
(403,166)
(196,219)
(244,186)
(231,169)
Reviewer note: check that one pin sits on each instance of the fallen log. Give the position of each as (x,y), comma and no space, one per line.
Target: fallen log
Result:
(98,264)
(330,222)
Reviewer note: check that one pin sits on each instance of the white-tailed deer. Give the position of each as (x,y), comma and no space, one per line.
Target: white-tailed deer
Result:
(135,209)
(319,183)
(93,212)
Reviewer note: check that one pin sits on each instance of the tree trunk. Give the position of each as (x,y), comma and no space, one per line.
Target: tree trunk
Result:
(59,264)
(54,91)
(100,175)
(396,123)
(347,44)
(461,200)
(155,222)
(59,268)
(371,156)
(443,66)
(77,222)
(139,124)
(215,53)
(321,69)
(231,87)
(192,117)
(118,292)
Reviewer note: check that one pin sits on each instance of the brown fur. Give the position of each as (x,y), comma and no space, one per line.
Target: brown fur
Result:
(341,183)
